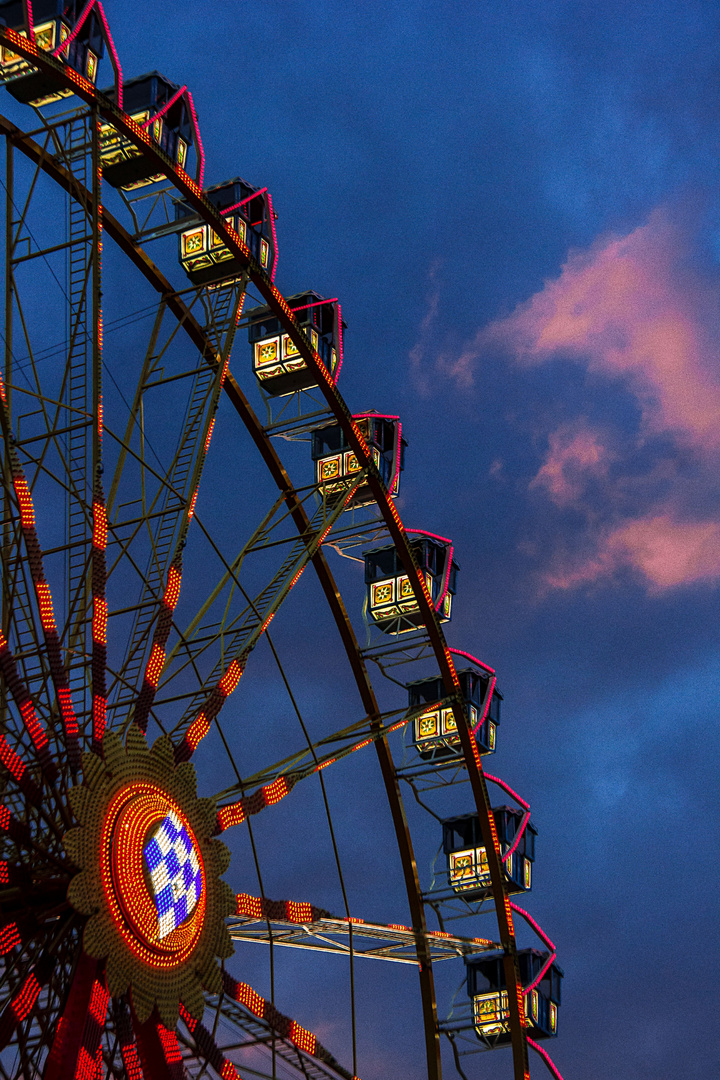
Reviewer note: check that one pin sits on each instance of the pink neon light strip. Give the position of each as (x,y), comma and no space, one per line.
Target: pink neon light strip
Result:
(521,802)
(319,303)
(384,416)
(546,940)
(340,345)
(76,29)
(508,789)
(373,416)
(433,536)
(486,707)
(448,567)
(398,450)
(237,205)
(469,656)
(274,236)
(271,215)
(546,1058)
(114,54)
(108,37)
(200,150)
(30,22)
(518,838)
(161,112)
(315,303)
(448,558)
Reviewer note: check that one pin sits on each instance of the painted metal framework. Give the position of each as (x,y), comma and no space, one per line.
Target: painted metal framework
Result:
(59,689)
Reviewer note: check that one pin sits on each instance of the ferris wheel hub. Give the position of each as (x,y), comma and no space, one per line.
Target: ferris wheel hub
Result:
(149,876)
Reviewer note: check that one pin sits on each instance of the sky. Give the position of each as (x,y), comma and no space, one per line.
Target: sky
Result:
(517,205)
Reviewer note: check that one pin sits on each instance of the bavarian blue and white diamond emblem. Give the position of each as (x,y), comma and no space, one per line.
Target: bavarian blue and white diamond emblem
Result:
(175,876)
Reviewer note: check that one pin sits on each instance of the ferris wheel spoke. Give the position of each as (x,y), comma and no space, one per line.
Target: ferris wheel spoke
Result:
(158,1049)
(247,629)
(23,701)
(98,663)
(208,1049)
(156,659)
(281,1025)
(76,1048)
(47,614)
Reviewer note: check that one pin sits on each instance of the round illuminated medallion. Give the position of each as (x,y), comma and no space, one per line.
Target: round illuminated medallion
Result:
(156,877)
(148,879)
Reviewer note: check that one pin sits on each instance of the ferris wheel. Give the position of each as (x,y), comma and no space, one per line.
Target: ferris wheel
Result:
(152,703)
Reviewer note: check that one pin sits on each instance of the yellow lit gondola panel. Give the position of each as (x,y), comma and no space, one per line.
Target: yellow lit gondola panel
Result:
(204,255)
(53,23)
(336,465)
(277,364)
(487,990)
(467,866)
(396,611)
(123,165)
(435,733)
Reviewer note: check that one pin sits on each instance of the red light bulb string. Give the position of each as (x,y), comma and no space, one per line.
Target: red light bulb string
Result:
(235,813)
(99,618)
(208,1047)
(156,660)
(23,701)
(213,704)
(24,1000)
(285,1027)
(47,614)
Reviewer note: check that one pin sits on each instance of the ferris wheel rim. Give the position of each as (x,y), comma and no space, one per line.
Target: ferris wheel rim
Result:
(193,194)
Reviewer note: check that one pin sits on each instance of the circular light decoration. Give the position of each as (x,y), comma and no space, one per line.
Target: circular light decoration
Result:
(149,876)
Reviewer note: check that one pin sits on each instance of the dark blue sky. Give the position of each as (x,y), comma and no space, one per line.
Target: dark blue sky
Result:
(517,205)
(436,165)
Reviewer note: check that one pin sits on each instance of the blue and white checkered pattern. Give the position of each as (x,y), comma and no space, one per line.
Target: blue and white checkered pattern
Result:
(175,875)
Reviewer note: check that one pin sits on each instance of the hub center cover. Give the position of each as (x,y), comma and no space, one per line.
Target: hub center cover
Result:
(175,876)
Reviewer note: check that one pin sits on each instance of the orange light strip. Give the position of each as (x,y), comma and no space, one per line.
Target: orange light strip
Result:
(99,619)
(15,829)
(208,1047)
(22,1004)
(259,907)
(26,997)
(156,660)
(35,730)
(16,767)
(9,938)
(213,704)
(285,1027)
(236,812)
(47,615)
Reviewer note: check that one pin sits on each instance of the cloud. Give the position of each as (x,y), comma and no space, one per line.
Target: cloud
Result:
(667,552)
(629,308)
(575,455)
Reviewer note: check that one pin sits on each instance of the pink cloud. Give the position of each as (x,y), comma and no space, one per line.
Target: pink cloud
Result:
(629,308)
(575,454)
(665,551)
